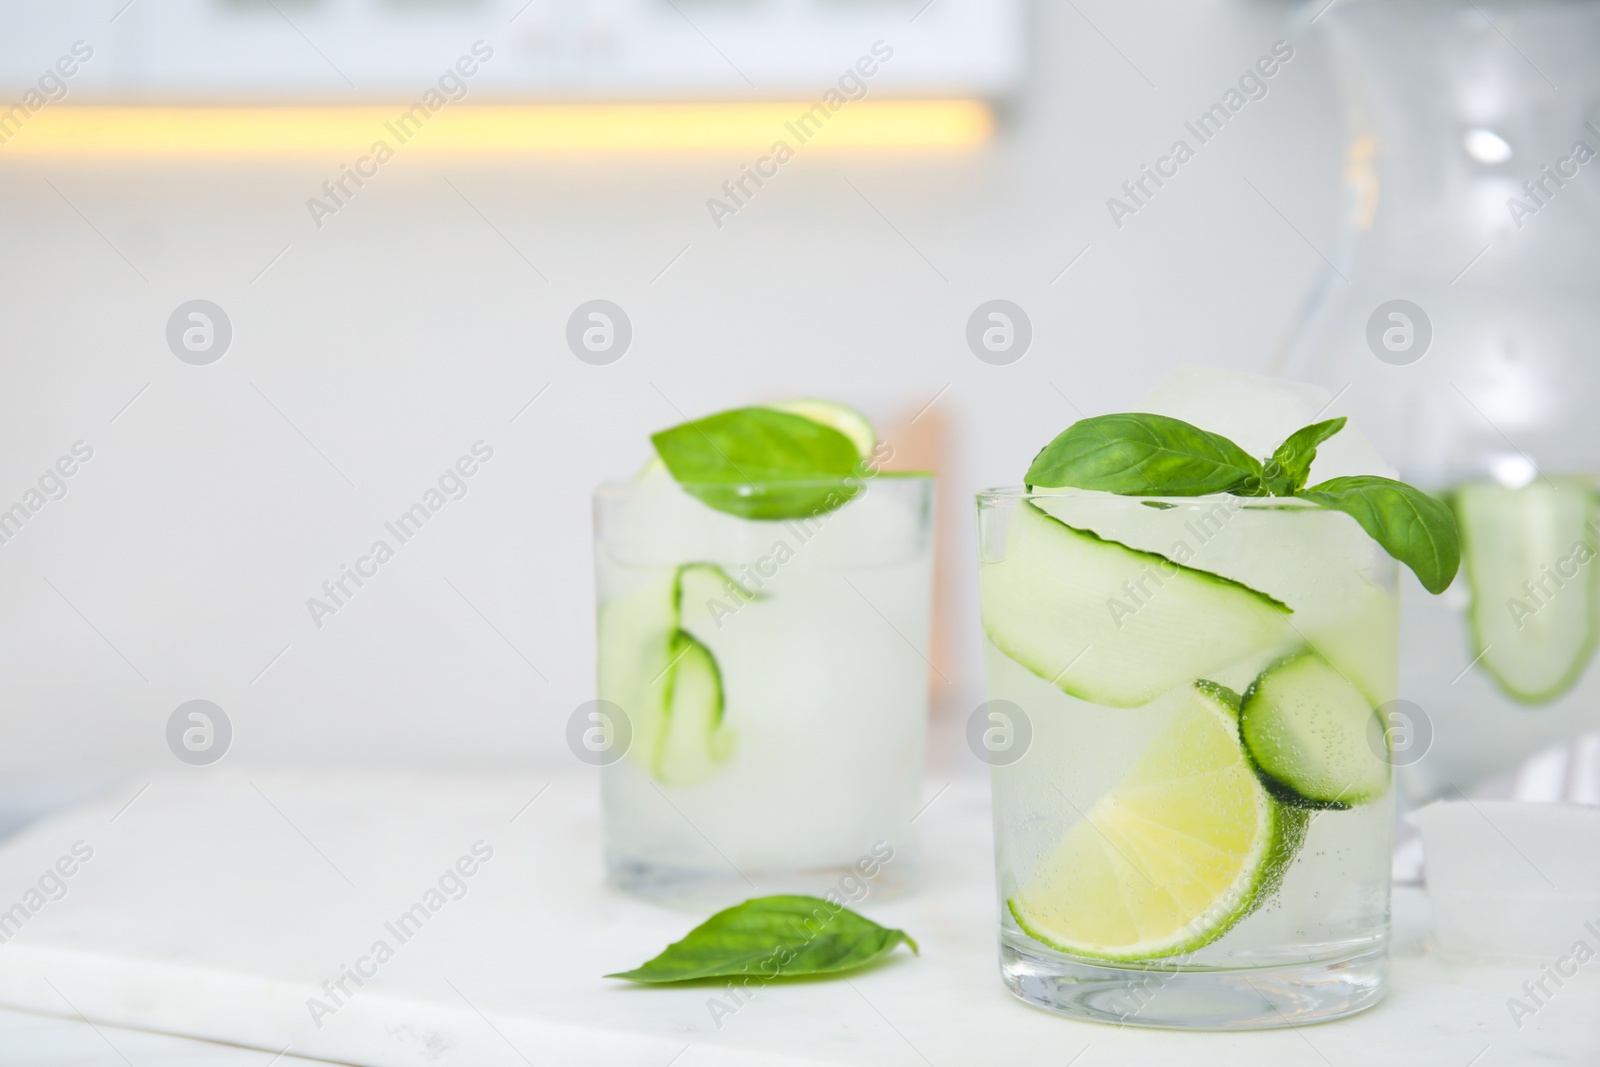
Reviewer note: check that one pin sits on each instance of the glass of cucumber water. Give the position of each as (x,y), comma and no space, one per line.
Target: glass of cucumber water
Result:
(764,599)
(1199,832)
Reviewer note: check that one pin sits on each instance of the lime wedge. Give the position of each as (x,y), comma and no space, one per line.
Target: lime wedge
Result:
(653,468)
(835,416)
(1183,848)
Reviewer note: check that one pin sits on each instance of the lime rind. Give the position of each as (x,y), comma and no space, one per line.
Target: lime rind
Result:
(654,469)
(1228,698)
(1288,834)
(836,416)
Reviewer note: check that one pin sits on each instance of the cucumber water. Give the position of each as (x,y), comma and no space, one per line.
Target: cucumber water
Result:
(1198,633)
(1200,791)
(773,670)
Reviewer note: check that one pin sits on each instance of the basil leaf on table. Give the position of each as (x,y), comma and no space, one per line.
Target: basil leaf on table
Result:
(761,463)
(772,937)
(1138,454)
(1412,526)
(1291,461)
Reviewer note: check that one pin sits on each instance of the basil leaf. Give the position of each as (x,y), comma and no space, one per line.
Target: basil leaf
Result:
(772,937)
(1412,526)
(761,463)
(1145,455)
(1290,464)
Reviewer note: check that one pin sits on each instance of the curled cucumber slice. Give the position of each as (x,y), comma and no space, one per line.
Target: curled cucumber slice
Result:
(1114,625)
(666,679)
(694,741)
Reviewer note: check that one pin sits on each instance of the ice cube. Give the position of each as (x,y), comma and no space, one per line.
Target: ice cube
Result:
(1257,413)
(1510,879)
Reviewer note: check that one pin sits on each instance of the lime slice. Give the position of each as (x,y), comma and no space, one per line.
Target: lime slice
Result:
(834,416)
(846,420)
(653,468)
(1185,846)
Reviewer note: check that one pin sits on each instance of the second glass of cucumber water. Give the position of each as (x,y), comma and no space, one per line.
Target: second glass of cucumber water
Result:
(1199,834)
(771,671)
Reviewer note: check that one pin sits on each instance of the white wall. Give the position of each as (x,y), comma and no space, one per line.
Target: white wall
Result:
(179,564)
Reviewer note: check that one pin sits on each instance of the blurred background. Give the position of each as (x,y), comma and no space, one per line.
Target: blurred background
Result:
(376,314)
(374,344)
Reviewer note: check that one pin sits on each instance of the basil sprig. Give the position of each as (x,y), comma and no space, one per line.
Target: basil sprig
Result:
(1412,526)
(1135,454)
(761,463)
(769,938)
(1128,454)
(1290,464)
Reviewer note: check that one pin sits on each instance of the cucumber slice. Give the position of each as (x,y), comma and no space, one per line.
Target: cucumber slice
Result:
(1529,557)
(707,596)
(635,638)
(694,741)
(1309,733)
(1362,642)
(1186,845)
(1111,624)
(664,678)
(836,416)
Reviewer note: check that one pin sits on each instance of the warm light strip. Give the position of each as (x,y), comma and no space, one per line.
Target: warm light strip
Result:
(496,130)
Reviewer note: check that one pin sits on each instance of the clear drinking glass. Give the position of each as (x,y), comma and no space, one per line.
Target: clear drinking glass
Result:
(1148,871)
(773,678)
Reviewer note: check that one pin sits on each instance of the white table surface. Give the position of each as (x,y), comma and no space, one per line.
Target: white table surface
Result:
(44,1041)
(217,902)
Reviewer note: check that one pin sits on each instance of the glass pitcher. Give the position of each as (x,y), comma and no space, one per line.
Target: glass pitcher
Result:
(1459,320)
